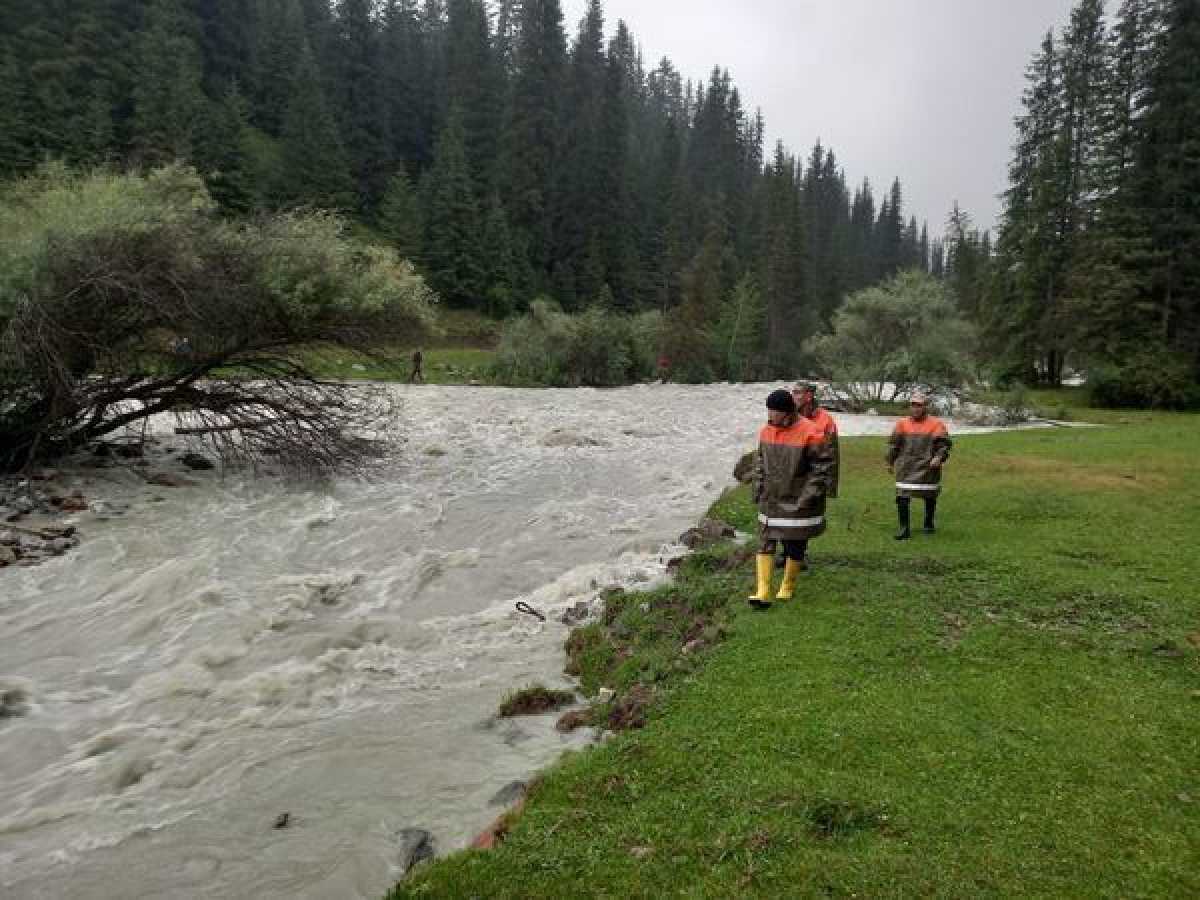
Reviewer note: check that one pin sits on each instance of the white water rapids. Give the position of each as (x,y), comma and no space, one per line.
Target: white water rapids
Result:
(233,650)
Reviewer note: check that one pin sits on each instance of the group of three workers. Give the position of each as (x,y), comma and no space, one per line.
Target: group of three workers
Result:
(796,470)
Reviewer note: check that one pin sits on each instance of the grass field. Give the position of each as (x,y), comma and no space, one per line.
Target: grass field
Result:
(1008,708)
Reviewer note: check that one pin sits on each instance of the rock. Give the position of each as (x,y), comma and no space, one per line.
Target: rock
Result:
(162,479)
(578,613)
(59,546)
(196,462)
(744,468)
(415,847)
(709,531)
(563,437)
(74,504)
(131,451)
(604,695)
(576,718)
(511,793)
(630,711)
(7,556)
(14,702)
(693,646)
(492,835)
(283,820)
(872,412)
(641,852)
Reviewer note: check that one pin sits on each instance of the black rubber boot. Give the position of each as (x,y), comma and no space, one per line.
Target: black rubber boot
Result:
(904,513)
(930,513)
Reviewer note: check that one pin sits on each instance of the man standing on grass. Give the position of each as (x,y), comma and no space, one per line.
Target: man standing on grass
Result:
(791,480)
(417,376)
(810,407)
(917,452)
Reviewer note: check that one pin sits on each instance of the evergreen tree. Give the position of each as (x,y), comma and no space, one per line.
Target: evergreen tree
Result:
(361,109)
(407,92)
(169,99)
(224,153)
(500,263)
(399,216)
(533,139)
(315,170)
(473,83)
(1166,183)
(452,257)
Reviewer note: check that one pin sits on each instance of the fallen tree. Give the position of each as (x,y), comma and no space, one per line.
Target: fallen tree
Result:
(124,297)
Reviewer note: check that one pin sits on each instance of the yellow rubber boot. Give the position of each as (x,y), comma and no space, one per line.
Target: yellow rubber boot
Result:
(791,572)
(764,564)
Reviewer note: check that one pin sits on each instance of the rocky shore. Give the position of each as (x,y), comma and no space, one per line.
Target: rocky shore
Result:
(43,512)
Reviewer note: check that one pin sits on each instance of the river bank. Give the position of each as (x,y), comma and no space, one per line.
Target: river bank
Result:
(214,656)
(1005,708)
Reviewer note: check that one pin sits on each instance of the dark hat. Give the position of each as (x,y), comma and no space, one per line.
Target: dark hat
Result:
(781,401)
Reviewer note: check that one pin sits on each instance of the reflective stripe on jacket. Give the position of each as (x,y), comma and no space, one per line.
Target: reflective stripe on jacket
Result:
(911,449)
(791,480)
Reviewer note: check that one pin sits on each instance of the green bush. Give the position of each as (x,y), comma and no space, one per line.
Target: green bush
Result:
(596,348)
(1146,381)
(125,295)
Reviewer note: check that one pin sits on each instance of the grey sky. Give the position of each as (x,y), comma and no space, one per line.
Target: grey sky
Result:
(925,90)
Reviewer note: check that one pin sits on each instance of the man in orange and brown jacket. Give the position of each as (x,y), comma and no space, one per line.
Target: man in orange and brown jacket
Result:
(917,452)
(809,406)
(791,481)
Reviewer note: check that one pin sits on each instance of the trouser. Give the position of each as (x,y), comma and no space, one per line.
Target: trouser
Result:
(904,507)
(791,549)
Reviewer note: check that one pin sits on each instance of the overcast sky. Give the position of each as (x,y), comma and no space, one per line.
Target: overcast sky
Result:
(923,90)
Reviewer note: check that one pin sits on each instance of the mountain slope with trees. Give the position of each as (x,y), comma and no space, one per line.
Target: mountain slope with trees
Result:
(509,156)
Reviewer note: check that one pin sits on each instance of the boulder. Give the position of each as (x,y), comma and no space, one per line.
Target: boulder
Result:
(563,437)
(744,470)
(162,479)
(14,702)
(709,531)
(196,462)
(576,718)
(577,614)
(511,793)
(415,847)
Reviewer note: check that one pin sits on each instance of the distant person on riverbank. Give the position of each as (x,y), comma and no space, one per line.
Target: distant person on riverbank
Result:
(792,468)
(417,375)
(917,453)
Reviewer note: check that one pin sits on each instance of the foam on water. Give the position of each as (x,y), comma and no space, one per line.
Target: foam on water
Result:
(227,652)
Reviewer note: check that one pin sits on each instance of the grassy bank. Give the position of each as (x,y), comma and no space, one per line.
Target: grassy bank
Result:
(1007,708)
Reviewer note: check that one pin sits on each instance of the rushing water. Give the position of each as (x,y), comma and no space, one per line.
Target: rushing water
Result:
(231,651)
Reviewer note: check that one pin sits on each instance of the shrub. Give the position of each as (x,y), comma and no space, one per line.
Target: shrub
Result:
(596,348)
(123,296)
(1146,381)
(890,339)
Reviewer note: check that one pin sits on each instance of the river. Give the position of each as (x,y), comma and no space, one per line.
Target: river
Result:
(229,651)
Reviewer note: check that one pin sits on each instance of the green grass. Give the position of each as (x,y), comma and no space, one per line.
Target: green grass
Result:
(1009,708)
(441,366)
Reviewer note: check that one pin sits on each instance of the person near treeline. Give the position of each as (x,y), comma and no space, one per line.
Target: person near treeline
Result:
(417,376)
(917,453)
(792,470)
